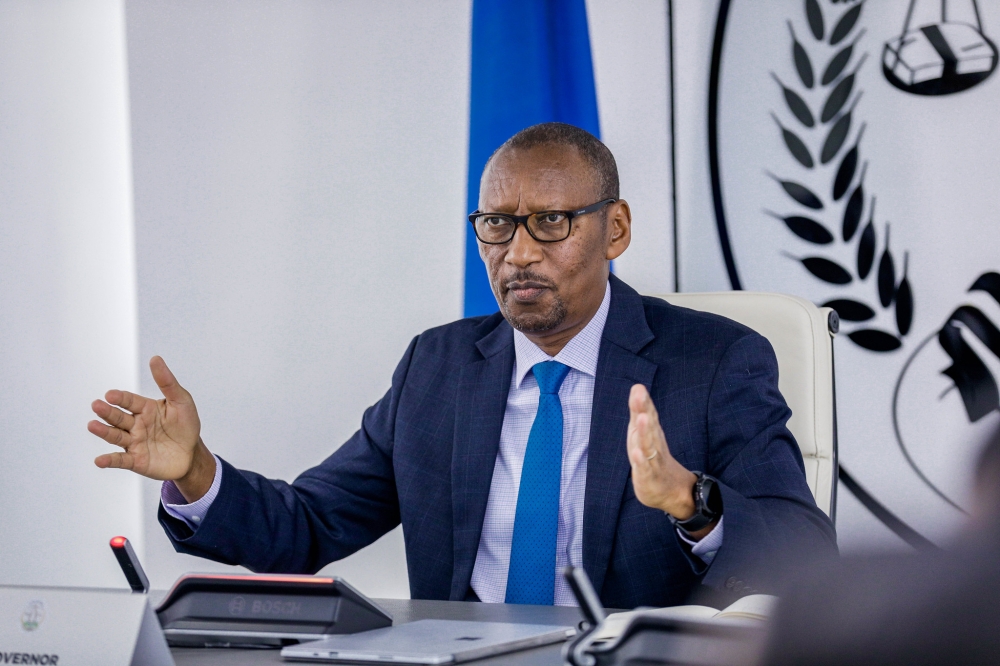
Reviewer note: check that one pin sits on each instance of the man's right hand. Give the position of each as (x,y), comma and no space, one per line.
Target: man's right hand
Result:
(161,438)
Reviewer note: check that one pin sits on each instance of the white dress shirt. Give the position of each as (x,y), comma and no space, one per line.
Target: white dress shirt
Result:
(193,513)
(489,575)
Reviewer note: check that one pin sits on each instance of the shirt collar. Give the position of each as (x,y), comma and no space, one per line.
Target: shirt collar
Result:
(580,353)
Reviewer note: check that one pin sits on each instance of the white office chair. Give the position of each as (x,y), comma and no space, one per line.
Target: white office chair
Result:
(802,337)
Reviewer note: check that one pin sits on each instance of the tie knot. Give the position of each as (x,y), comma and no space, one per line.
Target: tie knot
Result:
(550,375)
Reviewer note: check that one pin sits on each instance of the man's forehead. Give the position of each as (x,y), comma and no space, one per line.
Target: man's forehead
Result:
(546,171)
(543,156)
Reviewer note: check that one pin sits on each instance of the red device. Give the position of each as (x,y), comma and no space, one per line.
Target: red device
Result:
(129,563)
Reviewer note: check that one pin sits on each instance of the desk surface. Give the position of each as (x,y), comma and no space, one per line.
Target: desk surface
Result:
(406,610)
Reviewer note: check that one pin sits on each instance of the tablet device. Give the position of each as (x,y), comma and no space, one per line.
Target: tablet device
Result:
(429,642)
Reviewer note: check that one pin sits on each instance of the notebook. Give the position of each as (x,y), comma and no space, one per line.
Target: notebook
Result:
(755,608)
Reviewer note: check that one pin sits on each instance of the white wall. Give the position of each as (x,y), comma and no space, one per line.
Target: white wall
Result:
(300,199)
(630,51)
(701,264)
(67,288)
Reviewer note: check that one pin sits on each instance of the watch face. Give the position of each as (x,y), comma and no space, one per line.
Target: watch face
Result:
(710,498)
(707,501)
(714,500)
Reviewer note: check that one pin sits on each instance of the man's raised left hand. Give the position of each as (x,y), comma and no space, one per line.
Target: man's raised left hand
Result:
(660,481)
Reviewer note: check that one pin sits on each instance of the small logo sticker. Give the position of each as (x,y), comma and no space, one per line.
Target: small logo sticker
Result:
(33,615)
(237,606)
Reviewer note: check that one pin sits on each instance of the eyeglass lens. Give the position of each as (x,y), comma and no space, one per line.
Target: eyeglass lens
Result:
(543,226)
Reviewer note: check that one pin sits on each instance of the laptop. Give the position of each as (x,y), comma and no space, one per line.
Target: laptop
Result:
(428,642)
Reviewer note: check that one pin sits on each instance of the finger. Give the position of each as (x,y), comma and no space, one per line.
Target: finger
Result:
(637,399)
(647,439)
(636,453)
(638,445)
(651,441)
(129,401)
(115,461)
(640,401)
(168,384)
(109,434)
(113,415)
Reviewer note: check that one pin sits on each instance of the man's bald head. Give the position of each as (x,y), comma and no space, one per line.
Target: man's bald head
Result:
(596,154)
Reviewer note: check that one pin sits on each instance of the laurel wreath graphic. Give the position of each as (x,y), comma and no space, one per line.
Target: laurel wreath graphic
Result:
(827,123)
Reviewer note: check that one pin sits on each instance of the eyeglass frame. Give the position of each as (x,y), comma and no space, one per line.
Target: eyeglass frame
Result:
(523,219)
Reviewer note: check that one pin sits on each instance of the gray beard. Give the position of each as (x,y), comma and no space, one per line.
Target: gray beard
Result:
(533,323)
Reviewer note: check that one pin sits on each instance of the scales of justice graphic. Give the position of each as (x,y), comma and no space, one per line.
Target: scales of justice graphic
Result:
(940,58)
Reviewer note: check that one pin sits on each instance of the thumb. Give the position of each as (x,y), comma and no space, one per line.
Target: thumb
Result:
(165,379)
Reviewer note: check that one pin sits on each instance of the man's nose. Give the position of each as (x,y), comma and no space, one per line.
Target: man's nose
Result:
(523,249)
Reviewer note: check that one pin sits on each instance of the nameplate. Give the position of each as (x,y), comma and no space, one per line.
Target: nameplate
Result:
(63,626)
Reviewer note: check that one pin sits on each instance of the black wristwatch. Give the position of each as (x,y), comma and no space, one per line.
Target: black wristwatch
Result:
(707,504)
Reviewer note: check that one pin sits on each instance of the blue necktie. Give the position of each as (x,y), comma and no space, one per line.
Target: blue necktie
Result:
(531,576)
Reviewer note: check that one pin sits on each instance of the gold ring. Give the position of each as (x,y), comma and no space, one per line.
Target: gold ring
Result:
(652,456)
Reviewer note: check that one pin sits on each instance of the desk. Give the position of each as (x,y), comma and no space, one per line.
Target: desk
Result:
(406,610)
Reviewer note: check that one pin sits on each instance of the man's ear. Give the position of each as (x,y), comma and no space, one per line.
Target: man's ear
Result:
(619,228)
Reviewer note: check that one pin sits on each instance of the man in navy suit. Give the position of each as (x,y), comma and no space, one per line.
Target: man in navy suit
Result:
(506,443)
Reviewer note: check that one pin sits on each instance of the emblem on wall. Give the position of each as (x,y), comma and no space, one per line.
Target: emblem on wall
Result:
(861,205)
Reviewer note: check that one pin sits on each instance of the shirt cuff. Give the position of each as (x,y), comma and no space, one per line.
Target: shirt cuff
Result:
(193,513)
(709,545)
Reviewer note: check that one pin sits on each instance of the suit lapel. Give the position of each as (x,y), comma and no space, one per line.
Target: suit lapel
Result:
(619,367)
(482,401)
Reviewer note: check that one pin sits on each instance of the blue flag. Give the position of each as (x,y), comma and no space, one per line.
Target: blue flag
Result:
(530,64)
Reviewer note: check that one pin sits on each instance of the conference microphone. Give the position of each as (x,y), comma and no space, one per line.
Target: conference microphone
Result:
(590,604)
(129,563)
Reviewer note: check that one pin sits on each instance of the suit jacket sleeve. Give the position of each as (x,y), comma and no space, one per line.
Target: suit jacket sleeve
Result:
(772,522)
(330,511)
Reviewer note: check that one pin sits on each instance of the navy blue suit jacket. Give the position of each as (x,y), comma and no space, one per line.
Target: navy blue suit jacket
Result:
(425,453)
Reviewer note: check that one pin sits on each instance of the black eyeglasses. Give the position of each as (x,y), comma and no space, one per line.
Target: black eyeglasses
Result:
(546,226)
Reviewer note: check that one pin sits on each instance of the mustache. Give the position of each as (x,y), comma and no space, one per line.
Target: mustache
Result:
(525,278)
